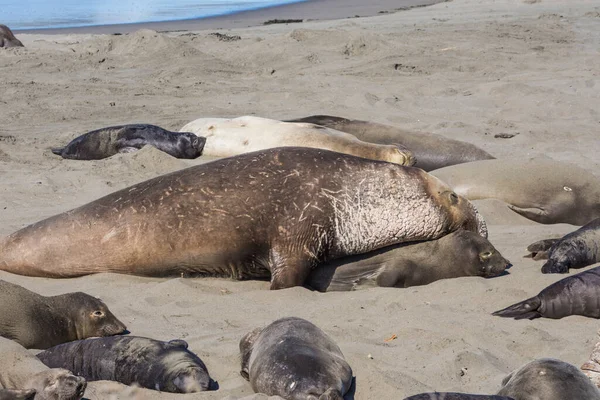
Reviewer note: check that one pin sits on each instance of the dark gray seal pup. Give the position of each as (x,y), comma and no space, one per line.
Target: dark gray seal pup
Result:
(152,364)
(578,294)
(460,253)
(548,379)
(455,396)
(106,142)
(39,322)
(7,39)
(430,151)
(274,213)
(16,394)
(296,360)
(577,249)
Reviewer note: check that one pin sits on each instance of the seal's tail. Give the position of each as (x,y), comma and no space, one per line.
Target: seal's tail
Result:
(527,309)
(57,150)
(332,394)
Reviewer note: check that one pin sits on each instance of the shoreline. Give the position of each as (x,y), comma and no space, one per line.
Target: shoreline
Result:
(305,10)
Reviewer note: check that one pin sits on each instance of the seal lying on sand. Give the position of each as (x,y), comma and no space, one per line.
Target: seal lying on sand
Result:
(577,249)
(278,212)
(541,189)
(39,322)
(22,370)
(229,137)
(152,364)
(577,294)
(548,379)
(455,396)
(431,151)
(296,360)
(106,142)
(460,253)
(7,39)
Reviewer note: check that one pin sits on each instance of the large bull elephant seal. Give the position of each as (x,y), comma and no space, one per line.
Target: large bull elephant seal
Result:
(296,360)
(22,370)
(229,137)
(455,396)
(431,151)
(279,213)
(39,322)
(7,39)
(541,189)
(548,379)
(460,253)
(152,364)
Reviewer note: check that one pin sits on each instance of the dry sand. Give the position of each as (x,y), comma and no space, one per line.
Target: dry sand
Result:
(467,69)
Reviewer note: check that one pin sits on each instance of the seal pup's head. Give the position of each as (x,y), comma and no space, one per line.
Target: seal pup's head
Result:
(57,384)
(183,369)
(190,145)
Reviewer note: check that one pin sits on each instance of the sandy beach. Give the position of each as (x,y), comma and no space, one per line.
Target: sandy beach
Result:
(465,69)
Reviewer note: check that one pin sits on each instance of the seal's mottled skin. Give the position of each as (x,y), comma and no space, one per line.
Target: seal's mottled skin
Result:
(541,189)
(296,360)
(578,294)
(7,39)
(278,212)
(105,142)
(39,322)
(229,137)
(152,364)
(430,151)
(460,253)
(548,379)
(455,396)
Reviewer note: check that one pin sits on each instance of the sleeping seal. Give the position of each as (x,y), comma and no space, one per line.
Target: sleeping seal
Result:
(106,142)
(460,253)
(39,322)
(548,379)
(455,396)
(296,360)
(578,294)
(541,189)
(278,213)
(431,151)
(229,137)
(152,364)
(7,39)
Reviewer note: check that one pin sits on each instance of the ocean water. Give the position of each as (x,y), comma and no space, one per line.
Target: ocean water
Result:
(38,14)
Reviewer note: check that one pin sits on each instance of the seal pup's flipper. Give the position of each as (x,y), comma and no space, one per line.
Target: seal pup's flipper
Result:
(57,150)
(527,309)
(179,343)
(539,250)
(533,213)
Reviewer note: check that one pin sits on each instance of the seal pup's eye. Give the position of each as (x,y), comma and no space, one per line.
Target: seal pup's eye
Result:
(98,313)
(485,255)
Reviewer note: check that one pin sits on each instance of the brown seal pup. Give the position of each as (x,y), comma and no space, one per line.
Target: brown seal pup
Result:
(22,370)
(296,360)
(548,379)
(278,212)
(455,396)
(39,322)
(578,294)
(430,151)
(577,249)
(17,394)
(460,253)
(541,189)
(152,364)
(106,142)
(7,39)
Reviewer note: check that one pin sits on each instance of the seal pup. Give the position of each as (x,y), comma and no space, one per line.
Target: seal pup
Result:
(296,360)
(541,189)
(275,213)
(16,394)
(548,379)
(106,142)
(455,396)
(577,249)
(152,364)
(230,137)
(22,370)
(591,368)
(39,322)
(460,253)
(431,151)
(7,39)
(577,294)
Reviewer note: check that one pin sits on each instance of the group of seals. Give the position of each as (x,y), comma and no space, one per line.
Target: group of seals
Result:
(106,142)
(278,212)
(152,364)
(39,322)
(7,39)
(296,360)
(460,253)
